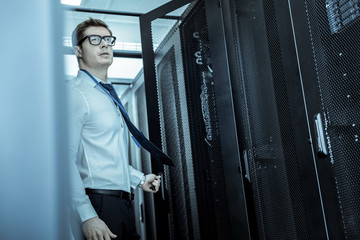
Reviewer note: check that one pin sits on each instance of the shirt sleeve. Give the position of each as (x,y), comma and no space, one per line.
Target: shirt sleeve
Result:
(135,177)
(78,112)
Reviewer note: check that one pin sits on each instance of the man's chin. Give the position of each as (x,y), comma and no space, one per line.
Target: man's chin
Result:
(106,63)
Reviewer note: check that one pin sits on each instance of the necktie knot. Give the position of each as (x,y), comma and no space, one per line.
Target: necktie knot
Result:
(107,86)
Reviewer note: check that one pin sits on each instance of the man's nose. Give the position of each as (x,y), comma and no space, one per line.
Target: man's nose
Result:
(103,43)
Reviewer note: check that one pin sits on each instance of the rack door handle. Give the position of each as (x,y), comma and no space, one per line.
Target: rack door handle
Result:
(246,163)
(320,136)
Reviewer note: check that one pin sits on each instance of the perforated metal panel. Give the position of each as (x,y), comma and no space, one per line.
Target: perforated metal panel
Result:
(278,159)
(196,190)
(336,50)
(214,217)
(179,181)
(261,95)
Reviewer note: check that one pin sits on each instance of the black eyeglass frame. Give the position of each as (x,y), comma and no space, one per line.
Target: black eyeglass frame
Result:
(112,43)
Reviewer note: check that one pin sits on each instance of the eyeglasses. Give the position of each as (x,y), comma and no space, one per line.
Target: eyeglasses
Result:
(96,40)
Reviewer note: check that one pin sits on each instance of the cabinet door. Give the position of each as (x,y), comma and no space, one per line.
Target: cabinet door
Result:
(191,116)
(327,37)
(282,182)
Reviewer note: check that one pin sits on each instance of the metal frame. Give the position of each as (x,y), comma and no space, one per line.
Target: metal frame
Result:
(161,218)
(227,123)
(109,12)
(149,68)
(228,132)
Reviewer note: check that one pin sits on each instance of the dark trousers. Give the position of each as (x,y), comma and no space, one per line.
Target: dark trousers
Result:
(117,213)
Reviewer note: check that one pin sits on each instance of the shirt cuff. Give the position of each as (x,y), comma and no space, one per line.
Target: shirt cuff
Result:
(86,211)
(135,177)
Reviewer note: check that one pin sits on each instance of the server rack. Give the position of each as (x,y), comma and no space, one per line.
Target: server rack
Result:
(187,82)
(293,68)
(272,87)
(330,51)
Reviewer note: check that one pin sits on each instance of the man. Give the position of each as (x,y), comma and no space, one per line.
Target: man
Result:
(100,170)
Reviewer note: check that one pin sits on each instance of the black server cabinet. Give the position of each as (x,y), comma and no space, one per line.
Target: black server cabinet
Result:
(329,54)
(258,103)
(191,116)
(285,201)
(294,68)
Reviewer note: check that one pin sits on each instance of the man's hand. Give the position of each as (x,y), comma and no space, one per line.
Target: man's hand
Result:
(151,181)
(96,229)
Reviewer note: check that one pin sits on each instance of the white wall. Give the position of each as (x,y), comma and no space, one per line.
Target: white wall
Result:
(33,181)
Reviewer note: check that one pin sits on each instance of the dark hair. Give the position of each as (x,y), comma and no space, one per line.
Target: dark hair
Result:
(78,32)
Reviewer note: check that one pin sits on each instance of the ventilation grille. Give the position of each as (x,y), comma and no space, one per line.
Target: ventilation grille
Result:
(337,61)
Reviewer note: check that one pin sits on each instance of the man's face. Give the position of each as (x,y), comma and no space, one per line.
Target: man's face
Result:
(96,56)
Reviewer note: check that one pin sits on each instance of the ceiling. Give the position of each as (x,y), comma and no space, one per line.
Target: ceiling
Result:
(125,28)
(138,6)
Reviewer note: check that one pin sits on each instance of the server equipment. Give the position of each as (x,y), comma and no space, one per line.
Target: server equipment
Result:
(257,102)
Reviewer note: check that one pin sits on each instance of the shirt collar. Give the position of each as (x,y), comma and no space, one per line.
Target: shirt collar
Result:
(84,77)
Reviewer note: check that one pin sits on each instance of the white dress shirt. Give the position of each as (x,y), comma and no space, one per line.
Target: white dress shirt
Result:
(99,145)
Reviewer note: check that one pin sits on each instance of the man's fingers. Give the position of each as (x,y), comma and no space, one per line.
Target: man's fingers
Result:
(156,182)
(99,235)
(96,229)
(155,186)
(111,234)
(107,237)
(152,183)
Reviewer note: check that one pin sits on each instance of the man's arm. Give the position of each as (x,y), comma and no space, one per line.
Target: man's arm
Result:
(92,226)
(78,111)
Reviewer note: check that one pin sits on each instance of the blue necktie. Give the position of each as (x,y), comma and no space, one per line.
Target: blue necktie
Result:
(140,138)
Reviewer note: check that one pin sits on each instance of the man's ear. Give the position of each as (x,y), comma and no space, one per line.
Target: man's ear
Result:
(77,51)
